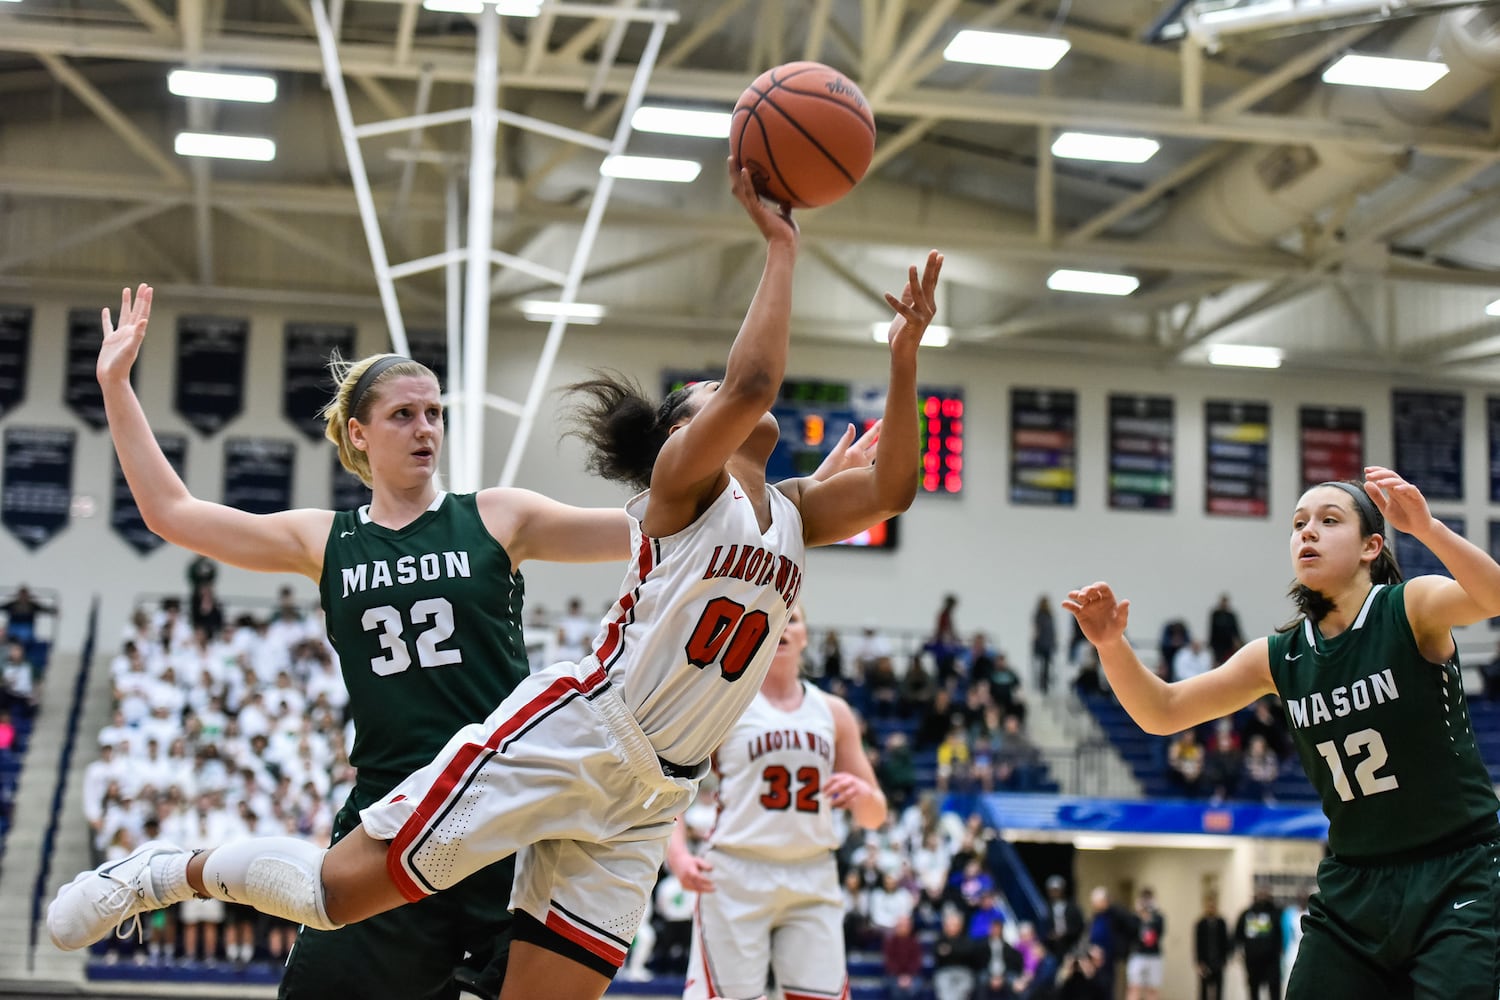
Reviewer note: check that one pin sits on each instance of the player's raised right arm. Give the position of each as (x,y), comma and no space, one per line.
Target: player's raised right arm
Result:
(289,541)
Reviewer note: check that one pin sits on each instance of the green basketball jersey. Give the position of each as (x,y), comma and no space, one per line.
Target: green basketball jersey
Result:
(427,624)
(1384,734)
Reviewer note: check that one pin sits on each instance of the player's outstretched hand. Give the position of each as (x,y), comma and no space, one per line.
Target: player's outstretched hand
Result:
(1101,616)
(1401,503)
(849,453)
(917,305)
(122,343)
(774,223)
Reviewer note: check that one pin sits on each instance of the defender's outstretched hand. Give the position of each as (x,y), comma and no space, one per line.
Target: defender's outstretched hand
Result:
(917,305)
(1101,616)
(849,453)
(1402,504)
(122,343)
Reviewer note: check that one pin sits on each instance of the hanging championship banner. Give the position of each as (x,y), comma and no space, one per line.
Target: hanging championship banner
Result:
(1332,442)
(1043,446)
(1427,429)
(38,482)
(210,370)
(124,516)
(305,385)
(15,350)
(1417,559)
(81,392)
(348,492)
(258,474)
(1141,452)
(1237,436)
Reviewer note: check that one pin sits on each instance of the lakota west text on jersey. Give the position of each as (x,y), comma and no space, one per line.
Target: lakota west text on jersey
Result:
(756,565)
(407,569)
(788,739)
(1367,692)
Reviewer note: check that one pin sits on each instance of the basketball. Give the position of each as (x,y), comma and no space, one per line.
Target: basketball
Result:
(805,133)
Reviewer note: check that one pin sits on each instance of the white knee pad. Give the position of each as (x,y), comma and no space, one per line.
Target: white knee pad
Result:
(281,876)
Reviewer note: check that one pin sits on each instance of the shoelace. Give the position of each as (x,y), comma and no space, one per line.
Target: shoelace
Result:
(131,926)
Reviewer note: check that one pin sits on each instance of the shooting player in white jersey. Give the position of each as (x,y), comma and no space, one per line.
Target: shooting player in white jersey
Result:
(581,771)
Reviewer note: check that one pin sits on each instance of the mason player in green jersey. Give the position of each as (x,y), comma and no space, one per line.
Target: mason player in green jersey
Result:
(422,591)
(1408,903)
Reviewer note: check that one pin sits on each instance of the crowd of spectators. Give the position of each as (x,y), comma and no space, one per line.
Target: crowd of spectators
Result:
(219,728)
(23,659)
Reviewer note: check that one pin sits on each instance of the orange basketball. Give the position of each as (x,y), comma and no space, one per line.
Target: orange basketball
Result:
(805,132)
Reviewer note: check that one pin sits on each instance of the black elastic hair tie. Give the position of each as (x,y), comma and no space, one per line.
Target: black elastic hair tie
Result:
(368,379)
(1364,504)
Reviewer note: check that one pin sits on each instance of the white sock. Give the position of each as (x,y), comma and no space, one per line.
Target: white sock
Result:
(169,877)
(281,876)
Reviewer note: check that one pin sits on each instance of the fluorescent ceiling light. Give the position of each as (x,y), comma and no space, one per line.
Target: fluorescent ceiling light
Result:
(543,310)
(651,168)
(1493,309)
(225,147)
(251,87)
(508,8)
(933,336)
(1114,148)
(681,121)
(1092,282)
(1245,356)
(1002,48)
(1383,71)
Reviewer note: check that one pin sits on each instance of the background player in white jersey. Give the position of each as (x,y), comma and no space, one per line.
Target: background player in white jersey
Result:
(584,767)
(768,884)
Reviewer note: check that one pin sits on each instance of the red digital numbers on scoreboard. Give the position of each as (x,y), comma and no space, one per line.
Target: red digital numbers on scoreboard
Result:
(942,440)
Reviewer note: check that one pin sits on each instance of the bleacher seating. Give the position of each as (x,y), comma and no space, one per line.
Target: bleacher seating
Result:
(37,648)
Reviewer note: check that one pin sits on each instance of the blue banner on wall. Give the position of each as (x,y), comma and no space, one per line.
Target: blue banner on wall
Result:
(1427,429)
(15,349)
(38,484)
(1087,815)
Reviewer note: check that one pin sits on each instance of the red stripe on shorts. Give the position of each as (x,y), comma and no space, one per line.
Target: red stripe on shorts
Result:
(453,773)
(614,956)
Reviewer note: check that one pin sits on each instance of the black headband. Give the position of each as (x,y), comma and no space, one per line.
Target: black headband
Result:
(1365,505)
(368,379)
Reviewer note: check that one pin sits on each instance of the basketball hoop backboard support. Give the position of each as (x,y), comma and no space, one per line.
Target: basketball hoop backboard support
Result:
(468,324)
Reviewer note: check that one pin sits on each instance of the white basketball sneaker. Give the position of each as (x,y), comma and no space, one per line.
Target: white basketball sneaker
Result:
(101,900)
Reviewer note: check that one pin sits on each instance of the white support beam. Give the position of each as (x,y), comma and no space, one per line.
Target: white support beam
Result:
(412,123)
(453,314)
(537,35)
(79,237)
(484,128)
(1297,66)
(112,117)
(414,142)
(607,56)
(550,275)
(333,74)
(685,248)
(585,246)
(429,263)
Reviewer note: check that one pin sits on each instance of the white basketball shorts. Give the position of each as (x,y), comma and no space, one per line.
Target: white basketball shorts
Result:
(561,775)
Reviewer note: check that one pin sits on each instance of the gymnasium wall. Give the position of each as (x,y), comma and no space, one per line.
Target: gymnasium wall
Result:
(997,557)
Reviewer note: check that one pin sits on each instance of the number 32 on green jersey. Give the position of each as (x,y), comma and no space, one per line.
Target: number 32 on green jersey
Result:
(435,613)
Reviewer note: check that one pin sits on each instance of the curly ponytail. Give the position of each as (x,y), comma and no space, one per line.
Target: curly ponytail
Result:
(623,429)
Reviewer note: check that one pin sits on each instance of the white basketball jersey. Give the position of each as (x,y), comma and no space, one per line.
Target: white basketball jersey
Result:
(772,769)
(699,617)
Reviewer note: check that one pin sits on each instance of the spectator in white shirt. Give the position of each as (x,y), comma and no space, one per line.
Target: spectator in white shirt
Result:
(1192,660)
(889,902)
(574,632)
